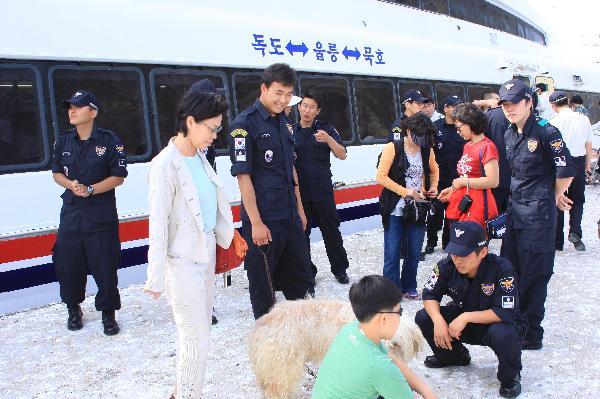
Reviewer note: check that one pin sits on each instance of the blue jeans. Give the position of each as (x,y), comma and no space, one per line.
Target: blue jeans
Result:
(413,236)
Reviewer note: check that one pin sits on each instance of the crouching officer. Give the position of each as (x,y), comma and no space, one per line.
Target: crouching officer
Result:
(89,163)
(541,171)
(261,146)
(315,140)
(482,312)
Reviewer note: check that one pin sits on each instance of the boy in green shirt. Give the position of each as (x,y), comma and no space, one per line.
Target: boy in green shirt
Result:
(357,365)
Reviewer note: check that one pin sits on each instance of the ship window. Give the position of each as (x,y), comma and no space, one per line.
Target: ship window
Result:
(335,93)
(23,139)
(375,108)
(443,90)
(246,88)
(169,87)
(476,92)
(121,95)
(409,3)
(425,89)
(439,6)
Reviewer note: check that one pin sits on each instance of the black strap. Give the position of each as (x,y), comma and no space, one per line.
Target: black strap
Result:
(485,190)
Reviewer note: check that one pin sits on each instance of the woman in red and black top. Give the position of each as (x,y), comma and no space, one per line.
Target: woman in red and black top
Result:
(479,154)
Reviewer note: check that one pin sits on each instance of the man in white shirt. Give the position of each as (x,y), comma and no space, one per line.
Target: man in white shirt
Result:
(577,134)
(544,108)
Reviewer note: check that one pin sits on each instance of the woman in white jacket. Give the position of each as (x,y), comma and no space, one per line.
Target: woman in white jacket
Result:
(189,215)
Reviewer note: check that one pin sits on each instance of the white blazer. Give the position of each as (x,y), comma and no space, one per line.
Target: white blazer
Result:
(176,224)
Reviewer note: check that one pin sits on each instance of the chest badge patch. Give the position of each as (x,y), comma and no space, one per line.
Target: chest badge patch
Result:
(100,150)
(507,284)
(487,289)
(268,155)
(532,145)
(290,128)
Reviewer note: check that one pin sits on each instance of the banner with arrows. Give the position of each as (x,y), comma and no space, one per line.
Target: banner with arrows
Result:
(321,50)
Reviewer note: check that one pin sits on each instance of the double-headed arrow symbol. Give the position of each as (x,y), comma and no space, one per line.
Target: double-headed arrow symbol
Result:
(296,48)
(351,53)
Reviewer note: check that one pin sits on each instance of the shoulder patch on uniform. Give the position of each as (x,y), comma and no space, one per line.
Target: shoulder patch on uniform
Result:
(557,145)
(542,122)
(508,302)
(239,132)
(396,130)
(507,284)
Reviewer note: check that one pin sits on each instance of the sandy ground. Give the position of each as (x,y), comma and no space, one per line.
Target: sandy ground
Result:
(41,359)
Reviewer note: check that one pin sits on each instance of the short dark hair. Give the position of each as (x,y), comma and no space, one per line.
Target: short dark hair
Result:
(471,115)
(419,124)
(542,86)
(280,73)
(576,99)
(562,102)
(200,105)
(488,95)
(313,95)
(371,295)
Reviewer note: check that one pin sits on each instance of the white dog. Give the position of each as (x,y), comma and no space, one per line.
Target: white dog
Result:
(297,332)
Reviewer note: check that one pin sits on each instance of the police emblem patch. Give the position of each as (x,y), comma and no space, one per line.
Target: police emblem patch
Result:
(120,148)
(508,302)
(239,132)
(240,143)
(532,145)
(507,284)
(508,86)
(290,128)
(556,145)
(268,155)
(487,289)
(100,150)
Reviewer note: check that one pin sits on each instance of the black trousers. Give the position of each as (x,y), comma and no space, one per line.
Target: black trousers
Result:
(287,261)
(78,253)
(435,224)
(576,193)
(501,196)
(502,338)
(324,215)
(531,253)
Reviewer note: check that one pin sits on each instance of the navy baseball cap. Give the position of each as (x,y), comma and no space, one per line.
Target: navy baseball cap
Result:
(205,86)
(414,95)
(465,237)
(558,96)
(514,91)
(82,98)
(452,101)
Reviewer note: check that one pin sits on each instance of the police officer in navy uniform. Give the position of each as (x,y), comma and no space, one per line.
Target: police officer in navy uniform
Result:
(542,170)
(89,163)
(497,126)
(315,141)
(448,148)
(484,303)
(261,146)
(412,102)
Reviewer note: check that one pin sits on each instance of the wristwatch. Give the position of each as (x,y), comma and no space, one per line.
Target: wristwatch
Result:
(90,190)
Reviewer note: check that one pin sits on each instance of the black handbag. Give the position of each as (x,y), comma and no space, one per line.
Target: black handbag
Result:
(495,227)
(416,211)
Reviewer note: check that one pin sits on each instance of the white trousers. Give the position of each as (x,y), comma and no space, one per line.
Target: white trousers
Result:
(190,289)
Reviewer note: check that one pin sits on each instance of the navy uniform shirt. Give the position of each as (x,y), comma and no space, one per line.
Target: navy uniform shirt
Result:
(394,134)
(262,146)
(313,163)
(493,287)
(89,162)
(537,157)
(448,148)
(497,126)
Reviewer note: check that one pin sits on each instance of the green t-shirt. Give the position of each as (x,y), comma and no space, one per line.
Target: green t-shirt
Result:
(356,368)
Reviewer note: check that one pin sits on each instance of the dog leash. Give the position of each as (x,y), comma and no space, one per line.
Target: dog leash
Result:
(267,269)
(309,371)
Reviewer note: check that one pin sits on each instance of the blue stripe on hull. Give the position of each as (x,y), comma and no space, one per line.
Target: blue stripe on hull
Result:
(44,274)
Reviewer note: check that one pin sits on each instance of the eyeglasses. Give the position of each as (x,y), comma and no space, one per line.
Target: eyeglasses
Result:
(459,126)
(213,129)
(398,312)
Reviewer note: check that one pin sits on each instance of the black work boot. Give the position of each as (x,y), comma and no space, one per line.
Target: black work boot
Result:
(433,362)
(576,241)
(110,324)
(511,389)
(74,322)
